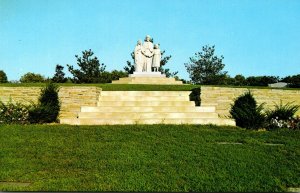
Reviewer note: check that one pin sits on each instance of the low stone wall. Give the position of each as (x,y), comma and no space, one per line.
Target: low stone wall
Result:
(24,95)
(71,98)
(223,97)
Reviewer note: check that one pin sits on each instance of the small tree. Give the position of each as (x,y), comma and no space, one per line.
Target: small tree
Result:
(32,78)
(47,109)
(239,80)
(3,77)
(90,68)
(294,81)
(246,112)
(205,67)
(59,76)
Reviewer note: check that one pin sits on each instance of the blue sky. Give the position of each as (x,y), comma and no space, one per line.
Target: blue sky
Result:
(256,37)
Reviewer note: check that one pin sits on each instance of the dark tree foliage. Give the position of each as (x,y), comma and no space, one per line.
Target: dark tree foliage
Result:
(108,77)
(205,67)
(59,76)
(90,68)
(3,77)
(239,80)
(130,65)
(32,78)
(261,80)
(293,81)
(163,62)
(47,109)
(246,112)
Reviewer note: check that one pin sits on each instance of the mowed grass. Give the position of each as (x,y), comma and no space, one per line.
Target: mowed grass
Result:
(115,87)
(139,87)
(148,158)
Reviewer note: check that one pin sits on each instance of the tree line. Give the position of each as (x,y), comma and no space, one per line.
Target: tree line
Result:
(204,68)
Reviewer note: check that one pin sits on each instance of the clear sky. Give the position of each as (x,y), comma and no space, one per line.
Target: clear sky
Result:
(256,37)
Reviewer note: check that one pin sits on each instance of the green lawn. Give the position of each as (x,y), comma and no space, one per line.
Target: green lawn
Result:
(139,87)
(147,158)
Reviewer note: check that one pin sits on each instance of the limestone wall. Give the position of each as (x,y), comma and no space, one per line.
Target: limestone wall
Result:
(223,97)
(72,98)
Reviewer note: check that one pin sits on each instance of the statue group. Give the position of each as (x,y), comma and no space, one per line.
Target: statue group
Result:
(147,56)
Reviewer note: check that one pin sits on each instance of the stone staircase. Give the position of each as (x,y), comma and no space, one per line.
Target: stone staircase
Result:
(146,107)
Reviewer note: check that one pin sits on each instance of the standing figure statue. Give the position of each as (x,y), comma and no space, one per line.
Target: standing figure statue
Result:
(138,57)
(148,53)
(156,58)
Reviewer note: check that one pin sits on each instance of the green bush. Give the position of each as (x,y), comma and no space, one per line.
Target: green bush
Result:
(13,113)
(282,112)
(47,109)
(32,78)
(282,116)
(246,112)
(3,77)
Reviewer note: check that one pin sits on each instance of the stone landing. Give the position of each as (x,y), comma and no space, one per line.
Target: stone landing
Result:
(147,78)
(146,107)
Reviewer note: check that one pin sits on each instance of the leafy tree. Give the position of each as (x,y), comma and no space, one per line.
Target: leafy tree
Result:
(294,81)
(90,68)
(30,77)
(163,62)
(3,77)
(239,80)
(59,76)
(108,77)
(205,67)
(261,80)
(130,66)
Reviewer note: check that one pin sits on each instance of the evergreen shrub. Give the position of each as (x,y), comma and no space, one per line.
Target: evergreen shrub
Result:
(47,109)
(247,113)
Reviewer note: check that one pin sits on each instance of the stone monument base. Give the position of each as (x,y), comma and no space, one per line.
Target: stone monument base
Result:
(147,78)
(147,74)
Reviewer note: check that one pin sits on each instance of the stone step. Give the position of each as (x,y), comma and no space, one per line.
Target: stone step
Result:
(146,80)
(88,121)
(145,115)
(145,103)
(143,98)
(148,109)
(145,93)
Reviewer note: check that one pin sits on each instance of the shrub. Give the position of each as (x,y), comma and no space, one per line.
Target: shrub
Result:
(32,78)
(282,116)
(3,77)
(12,113)
(47,109)
(246,112)
(282,112)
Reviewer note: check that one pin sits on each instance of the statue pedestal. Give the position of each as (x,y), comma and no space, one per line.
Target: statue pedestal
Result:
(146,78)
(147,74)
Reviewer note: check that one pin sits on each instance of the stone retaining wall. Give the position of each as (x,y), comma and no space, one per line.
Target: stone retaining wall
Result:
(72,98)
(224,96)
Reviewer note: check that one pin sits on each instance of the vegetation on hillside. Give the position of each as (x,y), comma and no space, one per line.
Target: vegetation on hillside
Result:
(143,158)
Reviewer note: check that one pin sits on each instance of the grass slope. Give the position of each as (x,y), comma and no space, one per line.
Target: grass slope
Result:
(139,87)
(147,158)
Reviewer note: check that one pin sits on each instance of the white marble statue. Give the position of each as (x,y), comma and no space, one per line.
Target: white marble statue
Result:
(156,58)
(147,51)
(138,57)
